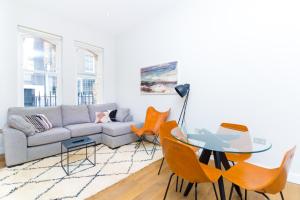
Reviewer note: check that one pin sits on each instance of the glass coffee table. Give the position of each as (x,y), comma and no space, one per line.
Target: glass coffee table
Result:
(75,144)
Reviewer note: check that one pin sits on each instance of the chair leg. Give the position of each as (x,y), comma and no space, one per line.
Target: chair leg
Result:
(181,185)
(231,190)
(245,194)
(144,147)
(161,164)
(138,144)
(263,195)
(168,186)
(281,194)
(176,183)
(196,191)
(154,144)
(215,191)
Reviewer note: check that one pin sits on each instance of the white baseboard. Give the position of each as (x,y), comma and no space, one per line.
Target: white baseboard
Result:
(294,178)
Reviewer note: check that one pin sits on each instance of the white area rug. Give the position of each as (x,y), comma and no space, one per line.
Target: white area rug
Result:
(45,179)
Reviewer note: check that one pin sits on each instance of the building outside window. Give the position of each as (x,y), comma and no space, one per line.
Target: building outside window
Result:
(89,73)
(40,61)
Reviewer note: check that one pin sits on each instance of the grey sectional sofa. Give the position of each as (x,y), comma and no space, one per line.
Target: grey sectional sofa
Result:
(68,122)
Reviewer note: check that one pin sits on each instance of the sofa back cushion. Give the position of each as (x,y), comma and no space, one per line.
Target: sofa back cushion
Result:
(75,114)
(100,108)
(53,114)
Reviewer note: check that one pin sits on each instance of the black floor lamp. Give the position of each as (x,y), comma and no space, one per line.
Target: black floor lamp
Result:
(183,90)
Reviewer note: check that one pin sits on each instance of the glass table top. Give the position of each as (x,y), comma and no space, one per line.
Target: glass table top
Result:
(229,141)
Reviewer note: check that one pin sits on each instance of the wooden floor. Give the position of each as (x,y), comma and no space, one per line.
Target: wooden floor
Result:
(147,185)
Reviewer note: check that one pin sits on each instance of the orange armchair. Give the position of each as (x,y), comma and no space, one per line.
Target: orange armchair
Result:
(259,179)
(183,162)
(151,126)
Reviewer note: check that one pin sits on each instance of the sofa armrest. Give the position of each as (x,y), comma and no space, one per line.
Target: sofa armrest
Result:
(15,146)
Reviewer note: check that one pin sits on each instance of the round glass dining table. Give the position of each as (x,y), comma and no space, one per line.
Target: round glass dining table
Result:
(218,144)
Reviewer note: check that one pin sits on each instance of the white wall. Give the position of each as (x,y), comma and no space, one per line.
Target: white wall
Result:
(241,59)
(13,13)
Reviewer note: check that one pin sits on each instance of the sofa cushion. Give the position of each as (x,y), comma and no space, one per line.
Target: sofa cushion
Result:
(122,113)
(52,113)
(18,122)
(49,136)
(100,108)
(118,128)
(84,129)
(75,114)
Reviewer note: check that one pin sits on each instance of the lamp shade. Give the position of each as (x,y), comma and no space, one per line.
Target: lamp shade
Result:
(182,90)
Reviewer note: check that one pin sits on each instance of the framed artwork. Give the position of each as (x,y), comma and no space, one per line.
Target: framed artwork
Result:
(159,79)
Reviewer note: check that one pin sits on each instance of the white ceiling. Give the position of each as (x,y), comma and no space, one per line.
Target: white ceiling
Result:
(111,15)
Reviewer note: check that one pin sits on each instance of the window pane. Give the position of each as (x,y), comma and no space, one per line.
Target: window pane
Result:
(89,63)
(38,54)
(39,89)
(86,91)
(86,61)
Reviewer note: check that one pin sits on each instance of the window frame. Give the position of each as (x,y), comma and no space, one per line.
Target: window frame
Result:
(98,70)
(56,40)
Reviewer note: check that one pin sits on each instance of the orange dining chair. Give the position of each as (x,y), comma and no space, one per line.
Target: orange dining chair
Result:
(165,132)
(259,179)
(226,128)
(151,126)
(183,162)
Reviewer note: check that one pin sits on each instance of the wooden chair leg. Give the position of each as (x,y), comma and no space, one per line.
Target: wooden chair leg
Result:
(168,186)
(281,194)
(215,191)
(161,164)
(245,194)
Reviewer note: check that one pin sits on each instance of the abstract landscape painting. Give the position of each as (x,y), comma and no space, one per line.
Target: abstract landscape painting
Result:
(159,79)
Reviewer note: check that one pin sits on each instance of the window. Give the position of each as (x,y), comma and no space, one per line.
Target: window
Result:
(89,73)
(40,61)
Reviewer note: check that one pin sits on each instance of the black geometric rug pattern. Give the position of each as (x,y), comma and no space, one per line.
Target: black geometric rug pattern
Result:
(45,178)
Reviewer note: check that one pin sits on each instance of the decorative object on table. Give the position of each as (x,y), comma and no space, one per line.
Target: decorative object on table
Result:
(76,143)
(45,179)
(182,91)
(159,79)
(153,121)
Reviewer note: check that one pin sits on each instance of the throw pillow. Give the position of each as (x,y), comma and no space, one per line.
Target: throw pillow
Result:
(39,121)
(112,115)
(122,113)
(19,123)
(43,119)
(102,117)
